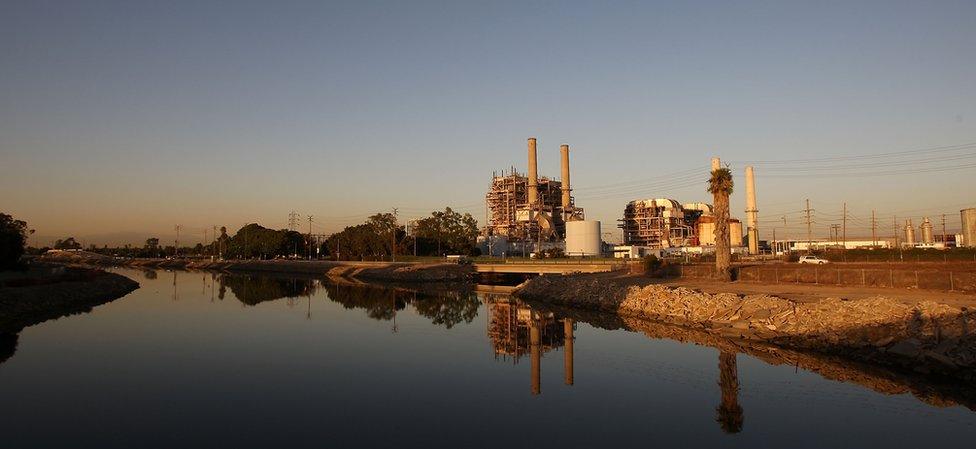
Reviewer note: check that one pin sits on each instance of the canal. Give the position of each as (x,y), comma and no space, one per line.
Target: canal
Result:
(194,358)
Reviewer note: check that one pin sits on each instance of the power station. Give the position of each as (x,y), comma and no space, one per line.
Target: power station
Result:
(528,213)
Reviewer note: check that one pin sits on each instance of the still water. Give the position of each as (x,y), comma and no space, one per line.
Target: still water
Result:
(194,359)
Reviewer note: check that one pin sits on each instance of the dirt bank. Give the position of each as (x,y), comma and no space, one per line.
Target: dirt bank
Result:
(925,336)
(385,271)
(60,292)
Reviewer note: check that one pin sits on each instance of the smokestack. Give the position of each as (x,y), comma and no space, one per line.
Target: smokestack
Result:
(716,163)
(533,174)
(564,152)
(751,212)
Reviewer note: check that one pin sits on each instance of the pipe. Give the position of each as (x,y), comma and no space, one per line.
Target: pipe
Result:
(568,351)
(535,343)
(751,212)
(564,152)
(533,174)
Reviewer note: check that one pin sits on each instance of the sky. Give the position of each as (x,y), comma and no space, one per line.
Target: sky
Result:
(120,120)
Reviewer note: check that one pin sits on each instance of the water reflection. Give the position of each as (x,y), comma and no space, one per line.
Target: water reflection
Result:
(729,411)
(517,329)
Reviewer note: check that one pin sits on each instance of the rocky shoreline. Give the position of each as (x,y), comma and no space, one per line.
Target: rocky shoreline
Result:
(925,337)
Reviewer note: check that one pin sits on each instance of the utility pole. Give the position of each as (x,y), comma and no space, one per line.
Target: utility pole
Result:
(785,235)
(874,229)
(213,245)
(894,226)
(834,230)
(809,229)
(176,250)
(293,218)
(309,237)
(394,229)
(945,242)
(845,225)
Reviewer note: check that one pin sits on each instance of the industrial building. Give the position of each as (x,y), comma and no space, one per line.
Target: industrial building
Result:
(662,223)
(528,213)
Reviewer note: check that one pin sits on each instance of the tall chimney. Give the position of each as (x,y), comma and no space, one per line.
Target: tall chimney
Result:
(564,152)
(716,163)
(751,212)
(533,174)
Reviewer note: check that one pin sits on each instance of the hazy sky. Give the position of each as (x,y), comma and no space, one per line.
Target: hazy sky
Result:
(119,120)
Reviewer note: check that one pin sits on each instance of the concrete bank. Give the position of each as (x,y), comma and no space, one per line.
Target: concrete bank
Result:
(385,271)
(926,336)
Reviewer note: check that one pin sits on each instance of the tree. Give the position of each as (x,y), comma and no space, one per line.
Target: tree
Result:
(13,237)
(256,241)
(452,232)
(720,185)
(68,243)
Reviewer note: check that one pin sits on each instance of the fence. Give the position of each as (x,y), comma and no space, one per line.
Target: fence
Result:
(961,281)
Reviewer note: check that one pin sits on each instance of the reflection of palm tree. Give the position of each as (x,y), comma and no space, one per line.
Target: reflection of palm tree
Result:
(729,411)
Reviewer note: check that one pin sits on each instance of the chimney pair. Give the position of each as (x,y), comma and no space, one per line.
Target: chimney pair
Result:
(534,174)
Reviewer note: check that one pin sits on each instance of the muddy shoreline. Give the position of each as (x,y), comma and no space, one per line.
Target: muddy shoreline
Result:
(926,337)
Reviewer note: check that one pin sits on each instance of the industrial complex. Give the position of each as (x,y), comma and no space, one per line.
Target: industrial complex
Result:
(529,214)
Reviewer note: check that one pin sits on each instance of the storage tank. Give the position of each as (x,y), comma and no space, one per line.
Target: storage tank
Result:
(735,232)
(909,233)
(926,228)
(968,217)
(583,238)
(706,232)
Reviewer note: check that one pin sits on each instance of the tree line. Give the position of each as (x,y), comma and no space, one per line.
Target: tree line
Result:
(440,233)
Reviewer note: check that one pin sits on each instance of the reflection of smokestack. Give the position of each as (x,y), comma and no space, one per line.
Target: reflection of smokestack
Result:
(751,212)
(564,152)
(533,174)
(716,163)
(535,342)
(568,351)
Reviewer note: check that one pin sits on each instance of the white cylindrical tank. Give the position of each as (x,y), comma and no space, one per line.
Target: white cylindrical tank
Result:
(968,217)
(583,238)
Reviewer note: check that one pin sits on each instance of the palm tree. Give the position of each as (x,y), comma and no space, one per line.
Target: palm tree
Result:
(720,185)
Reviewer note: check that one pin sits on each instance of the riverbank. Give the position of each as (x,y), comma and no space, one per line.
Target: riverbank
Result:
(924,336)
(47,293)
(50,292)
(383,271)
(939,392)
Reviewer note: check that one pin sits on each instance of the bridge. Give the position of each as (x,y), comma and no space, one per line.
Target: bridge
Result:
(547,268)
